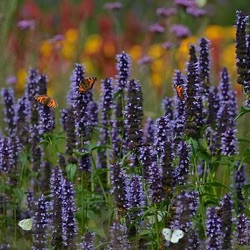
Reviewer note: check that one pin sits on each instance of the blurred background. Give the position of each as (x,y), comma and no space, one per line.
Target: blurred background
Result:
(54,35)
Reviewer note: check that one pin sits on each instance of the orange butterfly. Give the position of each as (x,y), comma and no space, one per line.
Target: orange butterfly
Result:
(86,84)
(179,90)
(47,101)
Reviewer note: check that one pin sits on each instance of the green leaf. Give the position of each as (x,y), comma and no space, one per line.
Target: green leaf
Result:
(216,184)
(243,111)
(71,171)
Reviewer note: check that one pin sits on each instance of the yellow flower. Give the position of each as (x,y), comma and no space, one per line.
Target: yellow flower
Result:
(93,44)
(228,58)
(158,65)
(89,66)
(71,36)
(156,50)
(21,79)
(46,48)
(135,52)
(109,49)
(156,79)
(68,51)
(214,32)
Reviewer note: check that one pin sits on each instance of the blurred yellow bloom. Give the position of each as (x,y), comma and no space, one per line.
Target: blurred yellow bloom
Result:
(156,79)
(89,66)
(109,49)
(71,36)
(228,58)
(46,48)
(135,52)
(156,50)
(68,51)
(214,32)
(50,90)
(229,32)
(93,44)
(158,65)
(21,79)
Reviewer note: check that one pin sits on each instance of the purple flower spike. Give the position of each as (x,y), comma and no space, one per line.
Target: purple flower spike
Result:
(4,155)
(167,107)
(240,181)
(88,241)
(118,237)
(243,225)
(180,31)
(40,224)
(213,106)
(69,226)
(229,142)
(213,230)
(149,130)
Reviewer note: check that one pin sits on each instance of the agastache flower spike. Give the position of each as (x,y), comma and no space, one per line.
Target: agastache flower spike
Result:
(243,225)
(32,89)
(4,155)
(149,130)
(69,226)
(118,181)
(242,57)
(213,106)
(118,237)
(40,224)
(9,111)
(227,222)
(167,107)
(87,241)
(213,230)
(240,181)
(193,103)
(204,65)
(133,115)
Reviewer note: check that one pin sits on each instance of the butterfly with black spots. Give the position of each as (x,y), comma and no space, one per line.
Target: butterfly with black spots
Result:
(86,84)
(46,101)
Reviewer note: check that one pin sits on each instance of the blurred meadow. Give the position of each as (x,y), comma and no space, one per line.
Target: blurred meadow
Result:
(95,173)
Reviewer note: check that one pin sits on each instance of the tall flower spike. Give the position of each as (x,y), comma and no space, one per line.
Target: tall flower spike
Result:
(118,181)
(133,115)
(87,241)
(243,225)
(242,61)
(204,65)
(193,104)
(167,107)
(227,222)
(4,155)
(56,190)
(31,89)
(9,111)
(118,237)
(69,226)
(240,181)
(149,130)
(213,229)
(213,106)
(40,224)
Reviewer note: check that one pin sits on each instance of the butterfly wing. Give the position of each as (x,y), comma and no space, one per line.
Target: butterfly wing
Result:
(87,84)
(177,235)
(52,103)
(26,224)
(41,98)
(179,91)
(167,232)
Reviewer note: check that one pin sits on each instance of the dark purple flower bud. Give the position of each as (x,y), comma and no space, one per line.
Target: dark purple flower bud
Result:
(204,65)
(155,183)
(133,115)
(166,12)
(185,3)
(30,200)
(186,206)
(194,241)
(118,180)
(26,24)
(47,120)
(42,82)
(180,31)
(213,106)
(56,190)
(118,237)
(181,172)
(193,103)
(9,111)
(113,6)
(156,28)
(149,131)
(145,60)
(124,70)
(240,181)
(226,206)
(40,224)
(69,226)
(5,246)
(135,197)
(242,58)
(167,107)
(85,160)
(92,113)
(116,152)
(88,241)
(243,225)
(213,230)
(195,11)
